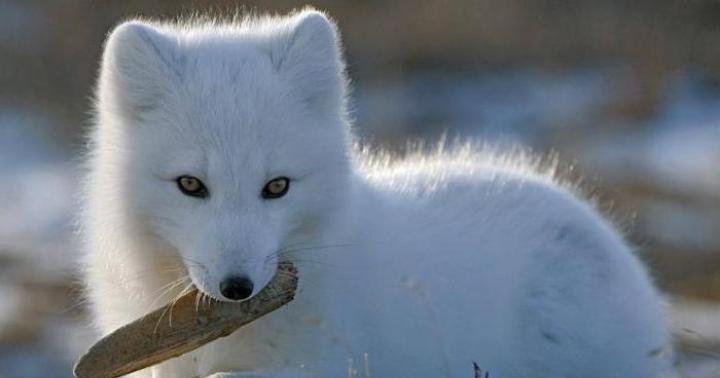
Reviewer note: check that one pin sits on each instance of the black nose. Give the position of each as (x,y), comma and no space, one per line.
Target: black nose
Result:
(236,288)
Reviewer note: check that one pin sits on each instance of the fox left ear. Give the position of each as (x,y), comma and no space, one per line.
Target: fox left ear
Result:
(309,57)
(139,67)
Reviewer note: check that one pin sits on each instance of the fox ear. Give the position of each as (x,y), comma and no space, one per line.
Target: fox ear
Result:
(309,57)
(139,66)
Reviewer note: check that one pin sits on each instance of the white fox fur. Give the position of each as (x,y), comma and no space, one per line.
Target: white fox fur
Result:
(417,267)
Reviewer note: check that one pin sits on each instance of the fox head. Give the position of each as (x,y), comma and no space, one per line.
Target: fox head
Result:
(225,142)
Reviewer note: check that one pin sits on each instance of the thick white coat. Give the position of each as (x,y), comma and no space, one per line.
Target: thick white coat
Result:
(415,267)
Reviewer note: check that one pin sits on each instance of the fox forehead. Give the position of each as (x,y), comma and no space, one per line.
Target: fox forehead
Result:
(226,93)
(233,105)
(232,77)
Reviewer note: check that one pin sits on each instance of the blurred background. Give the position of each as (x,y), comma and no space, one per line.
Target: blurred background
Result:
(627,91)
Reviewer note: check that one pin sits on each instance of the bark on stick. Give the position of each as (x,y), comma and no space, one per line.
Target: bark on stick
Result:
(180,327)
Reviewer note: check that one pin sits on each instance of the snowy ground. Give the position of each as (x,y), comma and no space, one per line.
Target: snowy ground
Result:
(41,328)
(676,153)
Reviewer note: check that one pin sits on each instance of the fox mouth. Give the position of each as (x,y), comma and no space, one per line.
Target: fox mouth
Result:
(233,287)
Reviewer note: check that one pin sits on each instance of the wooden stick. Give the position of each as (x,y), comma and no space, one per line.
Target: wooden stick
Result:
(179,328)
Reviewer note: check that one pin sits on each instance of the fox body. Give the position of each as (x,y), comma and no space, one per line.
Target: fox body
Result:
(423,266)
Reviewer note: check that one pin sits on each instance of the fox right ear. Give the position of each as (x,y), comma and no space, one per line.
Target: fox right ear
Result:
(139,66)
(307,52)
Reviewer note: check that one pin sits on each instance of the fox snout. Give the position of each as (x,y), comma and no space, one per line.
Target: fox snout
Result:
(234,277)
(230,257)
(234,284)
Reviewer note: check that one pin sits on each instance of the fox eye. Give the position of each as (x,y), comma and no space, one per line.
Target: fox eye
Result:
(276,188)
(192,186)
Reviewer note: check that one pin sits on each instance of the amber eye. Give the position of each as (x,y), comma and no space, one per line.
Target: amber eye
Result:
(276,188)
(192,186)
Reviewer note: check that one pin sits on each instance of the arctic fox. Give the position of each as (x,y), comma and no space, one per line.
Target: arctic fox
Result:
(221,149)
